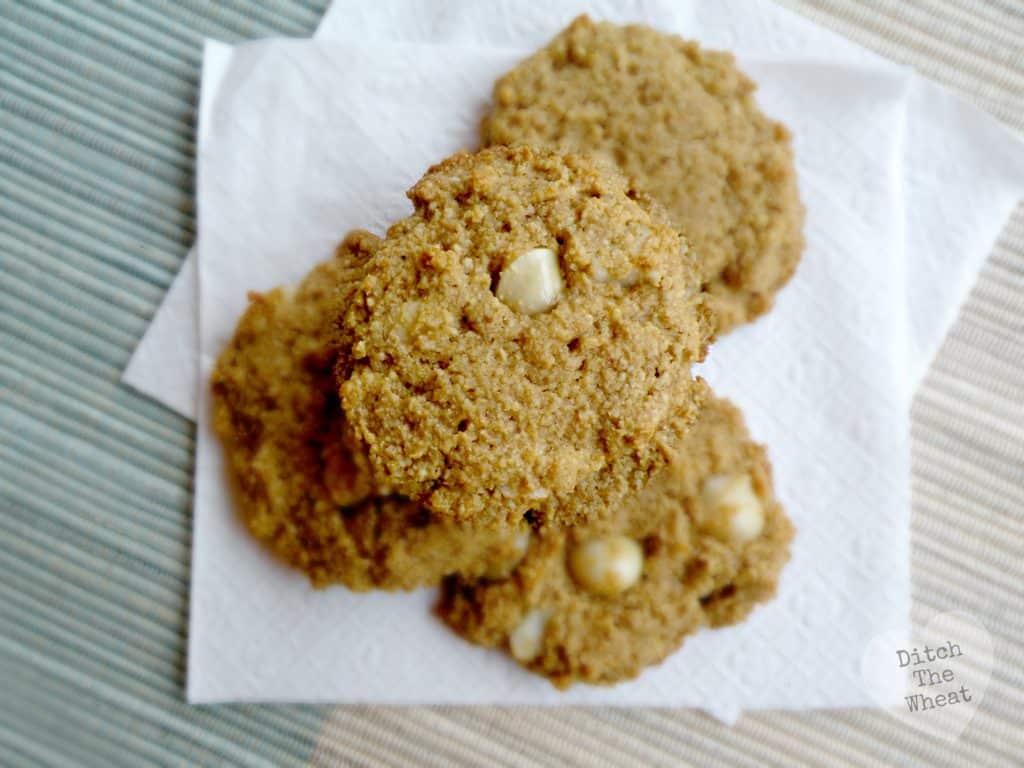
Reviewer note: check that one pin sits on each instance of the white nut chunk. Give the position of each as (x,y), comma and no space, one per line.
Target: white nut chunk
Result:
(608,565)
(532,283)
(526,640)
(732,509)
(500,569)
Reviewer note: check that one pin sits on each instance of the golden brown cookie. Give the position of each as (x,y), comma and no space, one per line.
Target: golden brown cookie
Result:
(303,488)
(702,545)
(683,124)
(531,323)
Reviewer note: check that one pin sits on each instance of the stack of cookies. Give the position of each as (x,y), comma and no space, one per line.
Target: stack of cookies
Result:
(497,396)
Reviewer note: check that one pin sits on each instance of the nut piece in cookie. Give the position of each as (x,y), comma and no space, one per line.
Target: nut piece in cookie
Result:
(606,565)
(528,326)
(303,486)
(532,283)
(682,123)
(702,545)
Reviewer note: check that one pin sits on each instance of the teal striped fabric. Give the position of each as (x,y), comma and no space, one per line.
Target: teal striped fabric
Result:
(97,113)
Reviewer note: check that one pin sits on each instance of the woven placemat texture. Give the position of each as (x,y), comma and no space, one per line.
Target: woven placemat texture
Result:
(97,112)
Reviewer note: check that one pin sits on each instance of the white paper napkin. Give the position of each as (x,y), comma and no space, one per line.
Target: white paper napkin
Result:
(818,381)
(979,182)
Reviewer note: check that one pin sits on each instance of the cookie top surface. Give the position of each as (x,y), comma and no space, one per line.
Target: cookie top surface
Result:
(302,485)
(701,546)
(682,123)
(527,325)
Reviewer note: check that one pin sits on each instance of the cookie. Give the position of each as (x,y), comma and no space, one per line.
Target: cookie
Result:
(530,323)
(702,545)
(683,124)
(302,485)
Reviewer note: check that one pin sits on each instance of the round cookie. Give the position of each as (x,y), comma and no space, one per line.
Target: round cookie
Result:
(531,323)
(302,486)
(683,124)
(702,545)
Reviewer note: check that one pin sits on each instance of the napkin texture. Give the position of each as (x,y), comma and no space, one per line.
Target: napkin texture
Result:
(819,379)
(165,364)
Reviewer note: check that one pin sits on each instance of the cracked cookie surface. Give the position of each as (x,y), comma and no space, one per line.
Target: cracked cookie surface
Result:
(528,327)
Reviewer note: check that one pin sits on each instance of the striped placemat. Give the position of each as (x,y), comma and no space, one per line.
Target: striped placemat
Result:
(97,111)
